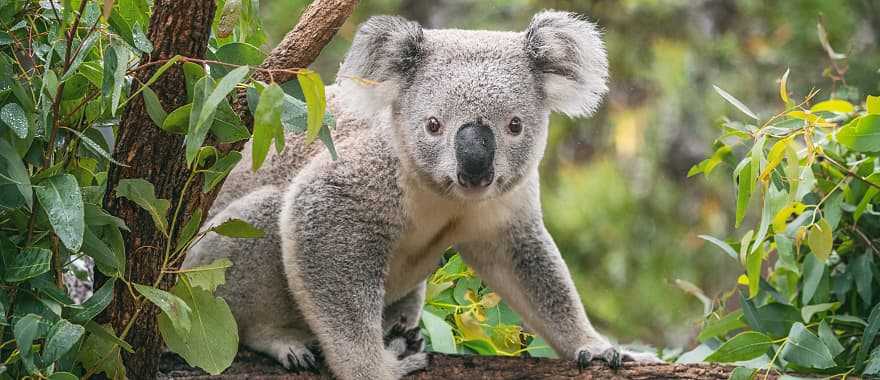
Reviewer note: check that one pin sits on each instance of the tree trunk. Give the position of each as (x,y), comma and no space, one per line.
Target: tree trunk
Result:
(181,28)
(176,27)
(249,365)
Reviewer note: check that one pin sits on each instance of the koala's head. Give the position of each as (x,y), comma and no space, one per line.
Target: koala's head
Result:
(470,108)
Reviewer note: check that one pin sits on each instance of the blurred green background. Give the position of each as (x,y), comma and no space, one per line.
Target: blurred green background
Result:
(616,195)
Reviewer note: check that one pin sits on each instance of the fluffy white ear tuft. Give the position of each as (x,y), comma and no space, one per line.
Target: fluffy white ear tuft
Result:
(568,51)
(385,51)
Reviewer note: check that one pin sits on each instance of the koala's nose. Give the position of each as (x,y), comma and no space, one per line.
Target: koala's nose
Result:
(475,153)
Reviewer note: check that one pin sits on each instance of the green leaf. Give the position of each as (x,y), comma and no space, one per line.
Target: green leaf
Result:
(820,239)
(62,337)
(814,270)
(806,350)
(95,304)
(106,333)
(140,40)
(862,134)
(743,373)
(721,244)
(189,230)
(115,65)
(94,147)
(196,133)
(16,171)
(826,335)
(753,269)
(863,204)
(208,277)
(481,347)
(143,194)
(868,337)
(807,311)
(14,117)
(873,365)
(28,263)
(206,110)
(743,194)
(62,200)
(439,332)
(313,91)
(172,306)
(97,249)
(227,126)
(221,168)
(212,342)
(745,346)
(267,119)
(735,102)
(25,331)
(720,327)
(774,319)
(178,120)
(832,209)
(237,228)
(102,354)
(236,53)
(861,267)
(539,348)
(84,50)
(154,107)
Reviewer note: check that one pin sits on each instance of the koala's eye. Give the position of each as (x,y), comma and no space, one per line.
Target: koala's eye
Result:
(433,126)
(515,127)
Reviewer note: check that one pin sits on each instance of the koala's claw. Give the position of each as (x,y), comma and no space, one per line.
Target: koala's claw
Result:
(610,356)
(298,362)
(403,341)
(584,358)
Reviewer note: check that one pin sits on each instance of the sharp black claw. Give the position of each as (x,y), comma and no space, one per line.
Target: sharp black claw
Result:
(613,358)
(584,358)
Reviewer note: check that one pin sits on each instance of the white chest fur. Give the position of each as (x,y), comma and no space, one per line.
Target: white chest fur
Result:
(436,223)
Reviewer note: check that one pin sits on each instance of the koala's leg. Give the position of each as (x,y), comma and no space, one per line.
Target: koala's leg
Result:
(401,321)
(288,345)
(526,269)
(407,310)
(337,279)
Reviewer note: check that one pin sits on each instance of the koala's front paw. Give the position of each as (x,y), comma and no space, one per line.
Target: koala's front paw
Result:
(403,341)
(611,356)
(299,359)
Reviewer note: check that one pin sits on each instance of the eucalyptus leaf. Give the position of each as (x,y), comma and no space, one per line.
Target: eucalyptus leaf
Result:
(61,198)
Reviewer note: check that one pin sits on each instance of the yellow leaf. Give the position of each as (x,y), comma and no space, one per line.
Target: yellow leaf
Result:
(872,104)
(820,239)
(780,220)
(742,280)
(777,153)
(471,296)
(490,300)
(783,87)
(834,105)
(810,118)
(469,327)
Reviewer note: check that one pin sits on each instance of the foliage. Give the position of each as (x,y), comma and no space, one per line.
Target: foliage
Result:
(808,175)
(463,316)
(68,72)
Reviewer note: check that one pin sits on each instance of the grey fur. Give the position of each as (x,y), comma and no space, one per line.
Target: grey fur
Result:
(350,242)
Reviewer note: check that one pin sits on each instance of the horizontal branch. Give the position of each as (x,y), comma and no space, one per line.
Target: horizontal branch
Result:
(445,367)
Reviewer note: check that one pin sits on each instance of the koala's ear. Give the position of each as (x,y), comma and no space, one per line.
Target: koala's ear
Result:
(385,51)
(568,52)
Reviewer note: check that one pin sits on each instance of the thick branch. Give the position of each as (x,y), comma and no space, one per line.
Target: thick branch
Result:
(445,367)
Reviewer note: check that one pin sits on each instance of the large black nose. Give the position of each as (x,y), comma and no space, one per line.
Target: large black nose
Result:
(475,153)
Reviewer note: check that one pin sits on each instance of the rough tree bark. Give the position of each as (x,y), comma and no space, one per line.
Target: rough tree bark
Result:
(176,27)
(182,28)
(249,365)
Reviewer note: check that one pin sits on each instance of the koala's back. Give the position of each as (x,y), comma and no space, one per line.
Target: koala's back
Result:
(280,169)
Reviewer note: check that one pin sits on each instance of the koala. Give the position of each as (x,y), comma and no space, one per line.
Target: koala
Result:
(440,134)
